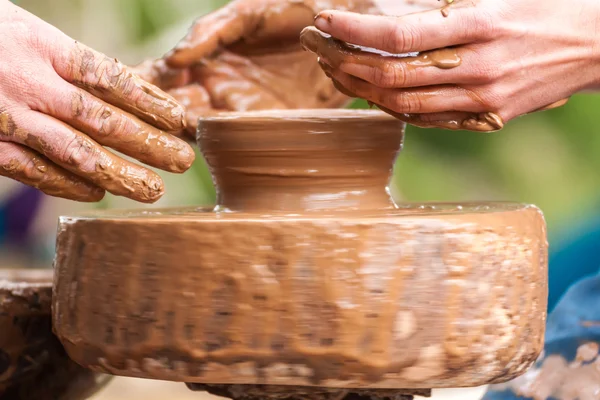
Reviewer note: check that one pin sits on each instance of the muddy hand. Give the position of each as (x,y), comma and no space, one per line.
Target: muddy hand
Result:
(226,82)
(253,27)
(247,56)
(62,103)
(515,58)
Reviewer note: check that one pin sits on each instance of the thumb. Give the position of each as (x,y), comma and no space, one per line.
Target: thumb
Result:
(207,34)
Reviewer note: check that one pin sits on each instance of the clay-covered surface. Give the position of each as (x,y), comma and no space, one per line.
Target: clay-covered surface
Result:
(33,363)
(424,296)
(301,161)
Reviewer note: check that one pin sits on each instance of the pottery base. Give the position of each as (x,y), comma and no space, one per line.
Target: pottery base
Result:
(425,296)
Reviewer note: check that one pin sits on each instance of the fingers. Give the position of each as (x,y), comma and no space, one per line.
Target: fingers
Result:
(196,101)
(111,81)
(452,120)
(430,99)
(21,164)
(112,127)
(416,32)
(442,66)
(220,28)
(476,122)
(77,153)
(231,91)
(554,105)
(158,73)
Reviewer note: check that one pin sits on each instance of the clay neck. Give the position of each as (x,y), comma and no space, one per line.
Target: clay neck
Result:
(301,160)
(307,193)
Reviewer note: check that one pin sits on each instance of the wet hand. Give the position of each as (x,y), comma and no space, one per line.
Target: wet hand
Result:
(62,103)
(247,56)
(515,57)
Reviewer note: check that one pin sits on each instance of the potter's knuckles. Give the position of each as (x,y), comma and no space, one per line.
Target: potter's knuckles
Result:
(403,300)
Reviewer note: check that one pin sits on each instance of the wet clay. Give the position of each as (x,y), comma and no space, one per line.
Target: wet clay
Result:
(255,27)
(313,287)
(303,161)
(247,57)
(559,379)
(33,364)
(332,53)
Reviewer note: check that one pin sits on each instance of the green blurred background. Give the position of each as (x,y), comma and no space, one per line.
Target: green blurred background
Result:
(549,159)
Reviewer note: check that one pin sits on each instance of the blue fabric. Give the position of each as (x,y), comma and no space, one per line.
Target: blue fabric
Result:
(574,321)
(574,260)
(17,215)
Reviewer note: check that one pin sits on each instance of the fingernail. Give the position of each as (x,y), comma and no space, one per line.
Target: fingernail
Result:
(95,194)
(185,157)
(152,189)
(323,19)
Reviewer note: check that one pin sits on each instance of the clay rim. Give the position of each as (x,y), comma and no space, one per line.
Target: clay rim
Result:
(295,115)
(180,214)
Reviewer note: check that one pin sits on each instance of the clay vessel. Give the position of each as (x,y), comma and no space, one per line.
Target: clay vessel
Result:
(306,273)
(33,363)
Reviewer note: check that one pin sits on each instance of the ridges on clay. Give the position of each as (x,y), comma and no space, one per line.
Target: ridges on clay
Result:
(310,160)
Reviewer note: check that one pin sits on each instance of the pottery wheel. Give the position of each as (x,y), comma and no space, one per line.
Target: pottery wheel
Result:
(33,363)
(421,297)
(306,280)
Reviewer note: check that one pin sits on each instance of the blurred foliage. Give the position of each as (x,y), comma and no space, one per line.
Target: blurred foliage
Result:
(550,159)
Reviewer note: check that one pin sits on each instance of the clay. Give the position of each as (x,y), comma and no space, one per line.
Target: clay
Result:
(332,53)
(259,27)
(23,165)
(303,161)
(33,364)
(247,57)
(330,288)
(556,378)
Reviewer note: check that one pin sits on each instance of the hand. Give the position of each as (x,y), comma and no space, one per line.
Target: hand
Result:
(247,56)
(61,102)
(514,57)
